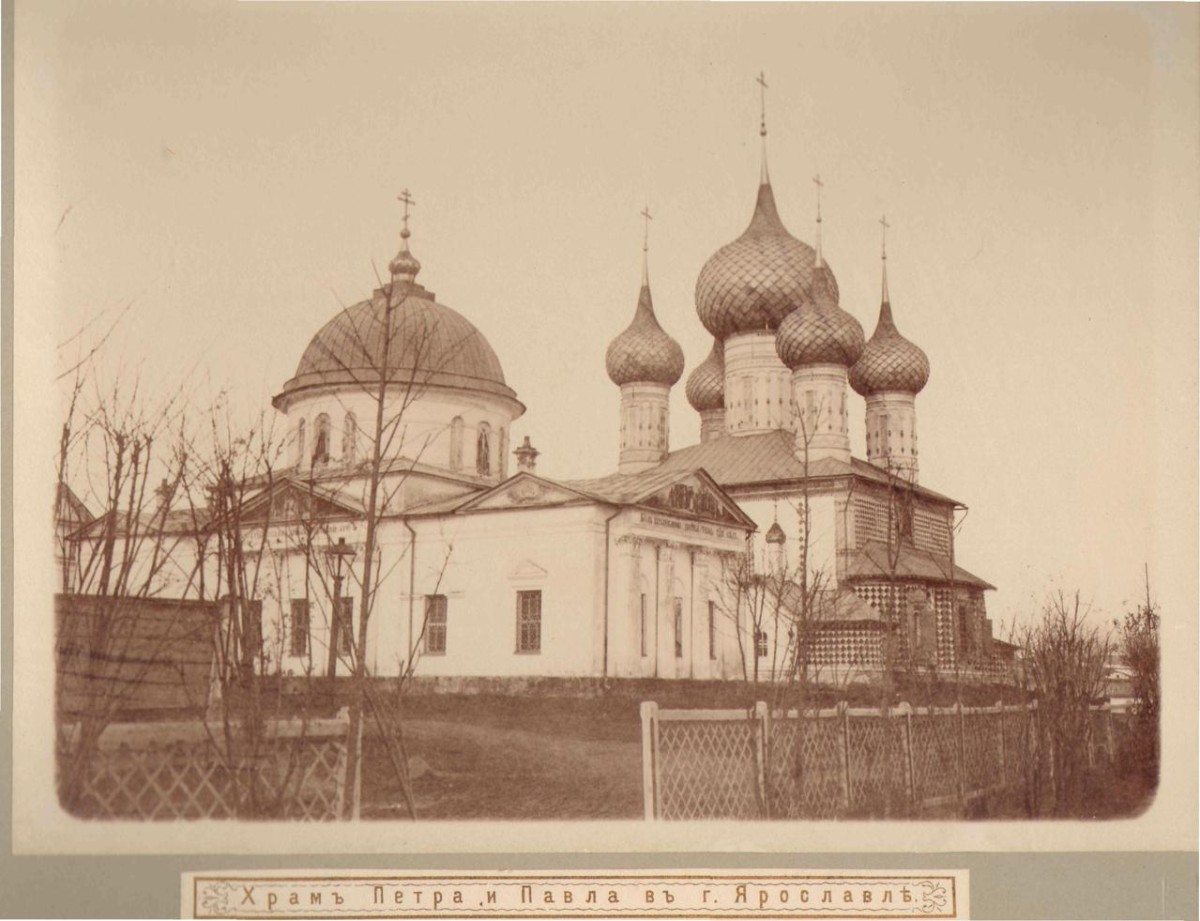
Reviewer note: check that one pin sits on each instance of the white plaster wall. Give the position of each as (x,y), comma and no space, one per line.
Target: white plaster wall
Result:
(822,552)
(891,423)
(424,433)
(645,425)
(758,394)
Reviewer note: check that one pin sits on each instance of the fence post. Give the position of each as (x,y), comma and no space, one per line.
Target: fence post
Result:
(1000,729)
(649,734)
(760,755)
(845,753)
(910,773)
(1108,727)
(962,754)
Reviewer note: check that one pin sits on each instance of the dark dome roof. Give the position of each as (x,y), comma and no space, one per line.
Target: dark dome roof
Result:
(819,332)
(431,345)
(644,353)
(889,361)
(759,278)
(706,384)
(775,534)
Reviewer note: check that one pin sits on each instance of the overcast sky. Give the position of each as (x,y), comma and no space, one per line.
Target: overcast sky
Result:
(233,169)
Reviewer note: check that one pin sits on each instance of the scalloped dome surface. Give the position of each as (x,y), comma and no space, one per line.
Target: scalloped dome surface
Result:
(758,279)
(706,384)
(644,353)
(820,332)
(889,362)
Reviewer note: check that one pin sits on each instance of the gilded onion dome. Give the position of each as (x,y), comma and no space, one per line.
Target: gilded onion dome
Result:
(644,353)
(706,384)
(759,278)
(889,362)
(819,332)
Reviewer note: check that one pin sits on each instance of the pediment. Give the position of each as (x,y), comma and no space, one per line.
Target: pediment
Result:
(291,501)
(523,491)
(527,571)
(696,496)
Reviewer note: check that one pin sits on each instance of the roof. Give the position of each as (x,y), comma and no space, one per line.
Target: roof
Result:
(430,345)
(636,489)
(889,361)
(836,606)
(770,457)
(872,562)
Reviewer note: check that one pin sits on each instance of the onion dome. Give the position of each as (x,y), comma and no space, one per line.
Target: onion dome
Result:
(889,362)
(819,332)
(759,278)
(644,353)
(429,344)
(775,534)
(706,384)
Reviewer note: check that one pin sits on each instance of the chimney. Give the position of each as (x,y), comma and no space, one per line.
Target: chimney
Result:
(527,456)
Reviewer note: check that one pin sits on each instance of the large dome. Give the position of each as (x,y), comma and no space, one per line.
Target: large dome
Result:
(759,278)
(644,353)
(889,362)
(431,346)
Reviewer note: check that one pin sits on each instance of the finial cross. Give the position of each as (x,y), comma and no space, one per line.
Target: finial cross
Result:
(406,199)
(820,185)
(883,222)
(645,212)
(762,82)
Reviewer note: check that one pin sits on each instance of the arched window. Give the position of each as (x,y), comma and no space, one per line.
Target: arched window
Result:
(503,460)
(456,443)
(483,450)
(349,439)
(300,443)
(321,444)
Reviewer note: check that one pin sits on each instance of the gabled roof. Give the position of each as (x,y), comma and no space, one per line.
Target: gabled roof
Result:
(70,509)
(872,562)
(329,502)
(770,457)
(527,490)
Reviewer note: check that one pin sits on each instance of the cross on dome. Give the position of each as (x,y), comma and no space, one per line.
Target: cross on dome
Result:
(883,222)
(405,198)
(647,218)
(404,267)
(820,185)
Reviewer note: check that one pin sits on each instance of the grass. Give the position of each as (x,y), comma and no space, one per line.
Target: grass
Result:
(512,758)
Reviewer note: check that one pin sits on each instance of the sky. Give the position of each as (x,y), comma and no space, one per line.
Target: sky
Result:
(231,171)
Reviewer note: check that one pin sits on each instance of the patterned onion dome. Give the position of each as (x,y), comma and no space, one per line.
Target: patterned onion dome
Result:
(775,534)
(706,384)
(819,332)
(889,361)
(759,278)
(430,344)
(644,353)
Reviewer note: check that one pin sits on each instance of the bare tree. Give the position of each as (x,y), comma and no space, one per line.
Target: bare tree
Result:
(1139,647)
(1065,657)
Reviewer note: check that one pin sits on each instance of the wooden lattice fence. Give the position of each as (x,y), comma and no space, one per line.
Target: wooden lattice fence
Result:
(842,761)
(291,769)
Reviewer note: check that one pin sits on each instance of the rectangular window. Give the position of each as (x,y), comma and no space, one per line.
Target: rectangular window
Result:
(529,621)
(252,636)
(435,625)
(642,623)
(712,630)
(678,628)
(760,643)
(298,644)
(343,624)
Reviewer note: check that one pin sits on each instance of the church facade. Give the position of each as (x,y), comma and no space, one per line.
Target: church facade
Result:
(484,567)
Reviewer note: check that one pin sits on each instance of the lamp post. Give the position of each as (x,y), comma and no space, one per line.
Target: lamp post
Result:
(338,554)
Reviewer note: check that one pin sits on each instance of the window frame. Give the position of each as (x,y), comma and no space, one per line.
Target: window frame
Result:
(529,618)
(712,631)
(299,649)
(677,609)
(437,615)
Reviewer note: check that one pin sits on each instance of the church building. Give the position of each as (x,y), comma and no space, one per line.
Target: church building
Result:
(483,570)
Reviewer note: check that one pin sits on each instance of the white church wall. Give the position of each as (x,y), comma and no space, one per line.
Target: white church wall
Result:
(427,433)
(823,528)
